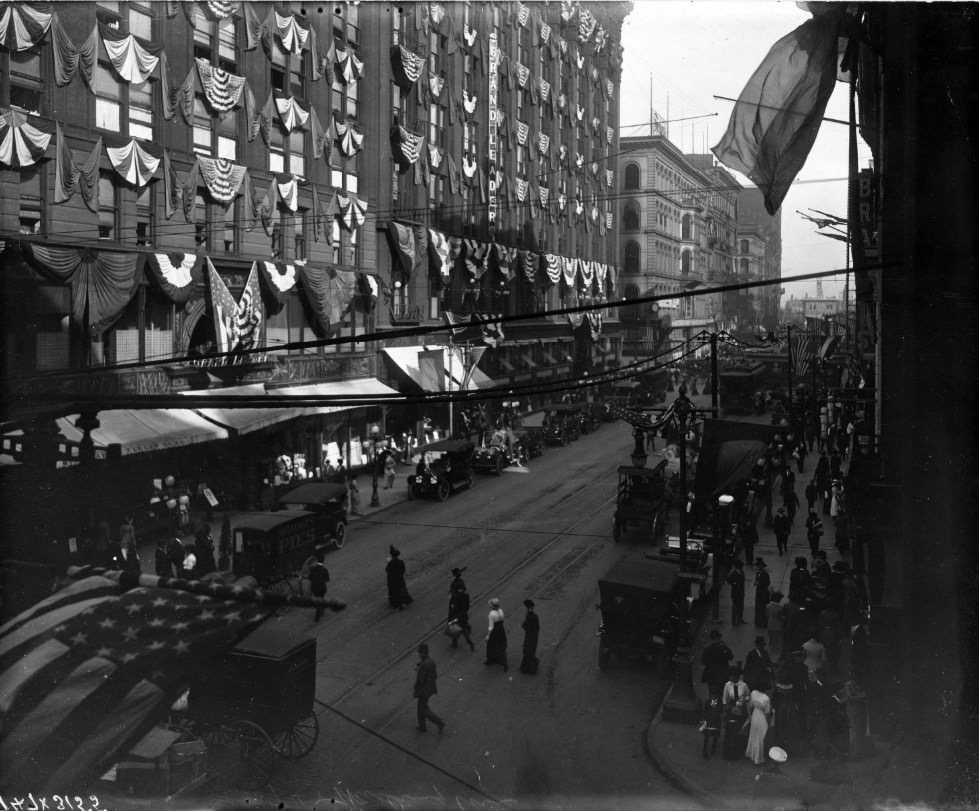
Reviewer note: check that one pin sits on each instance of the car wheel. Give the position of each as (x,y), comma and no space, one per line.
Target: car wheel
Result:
(604,654)
(340,535)
(444,490)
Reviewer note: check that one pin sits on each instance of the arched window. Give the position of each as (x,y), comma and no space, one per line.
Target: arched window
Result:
(744,267)
(633,178)
(630,219)
(744,246)
(685,263)
(633,257)
(686,227)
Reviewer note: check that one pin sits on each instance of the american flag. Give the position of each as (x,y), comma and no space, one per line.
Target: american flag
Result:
(803,349)
(88,670)
(474,329)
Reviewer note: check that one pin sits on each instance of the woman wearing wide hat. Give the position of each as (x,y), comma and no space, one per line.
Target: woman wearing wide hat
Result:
(496,640)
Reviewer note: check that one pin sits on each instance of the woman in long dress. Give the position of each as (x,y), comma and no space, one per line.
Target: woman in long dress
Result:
(496,641)
(761,712)
(735,700)
(398,596)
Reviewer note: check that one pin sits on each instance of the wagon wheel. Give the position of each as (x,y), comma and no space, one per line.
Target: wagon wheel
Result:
(255,755)
(300,738)
(284,588)
(340,535)
(444,490)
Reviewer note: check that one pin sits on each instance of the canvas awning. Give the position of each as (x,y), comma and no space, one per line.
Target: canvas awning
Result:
(247,420)
(143,430)
(406,359)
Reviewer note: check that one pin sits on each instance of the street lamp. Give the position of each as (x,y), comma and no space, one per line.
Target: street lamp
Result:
(721,521)
(639,451)
(681,704)
(375,433)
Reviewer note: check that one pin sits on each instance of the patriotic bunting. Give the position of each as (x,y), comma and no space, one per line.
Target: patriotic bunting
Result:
(222,177)
(435,85)
(221,89)
(469,166)
(523,73)
(130,59)
(407,66)
(543,143)
(352,211)
(320,136)
(351,68)
(291,114)
(407,145)
(552,266)
(545,90)
(568,9)
(523,14)
(609,175)
(176,275)
(348,139)
(236,325)
(545,32)
(569,269)
(586,24)
(133,163)
(522,186)
(69,175)
(292,34)
(22,26)
(608,135)
(289,193)
(579,59)
(21,143)
(523,130)
(277,281)
(469,35)
(544,195)
(587,269)
(102,282)
(434,156)
(438,252)
(401,239)
(469,103)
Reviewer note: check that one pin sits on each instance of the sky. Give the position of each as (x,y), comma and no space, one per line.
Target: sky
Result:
(692,51)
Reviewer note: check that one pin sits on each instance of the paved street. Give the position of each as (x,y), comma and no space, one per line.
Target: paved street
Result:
(570,737)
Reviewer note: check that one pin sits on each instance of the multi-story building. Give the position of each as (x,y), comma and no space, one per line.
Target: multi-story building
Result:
(758,258)
(195,200)
(679,224)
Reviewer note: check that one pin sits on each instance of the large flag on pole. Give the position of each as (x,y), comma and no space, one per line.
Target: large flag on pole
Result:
(237,325)
(776,119)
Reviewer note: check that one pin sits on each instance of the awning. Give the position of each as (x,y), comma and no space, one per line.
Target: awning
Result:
(247,420)
(152,429)
(406,359)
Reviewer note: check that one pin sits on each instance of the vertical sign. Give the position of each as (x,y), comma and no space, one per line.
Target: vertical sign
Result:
(494,79)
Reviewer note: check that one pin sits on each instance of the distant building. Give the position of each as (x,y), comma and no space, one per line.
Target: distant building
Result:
(759,257)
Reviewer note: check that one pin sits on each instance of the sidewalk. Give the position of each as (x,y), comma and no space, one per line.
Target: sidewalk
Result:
(676,748)
(387,498)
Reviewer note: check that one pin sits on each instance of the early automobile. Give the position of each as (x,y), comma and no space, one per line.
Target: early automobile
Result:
(623,394)
(641,605)
(641,499)
(500,449)
(532,441)
(327,502)
(562,423)
(443,467)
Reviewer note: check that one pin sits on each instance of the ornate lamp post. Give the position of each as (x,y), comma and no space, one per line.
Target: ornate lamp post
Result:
(639,451)
(721,521)
(681,704)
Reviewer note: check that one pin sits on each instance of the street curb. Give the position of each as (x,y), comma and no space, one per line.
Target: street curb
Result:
(671,775)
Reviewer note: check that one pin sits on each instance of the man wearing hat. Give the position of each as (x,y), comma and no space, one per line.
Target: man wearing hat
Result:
(457,581)
(716,660)
(781,525)
(531,632)
(735,579)
(426,675)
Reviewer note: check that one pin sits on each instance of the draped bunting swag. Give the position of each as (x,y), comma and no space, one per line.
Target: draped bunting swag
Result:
(292,34)
(221,89)
(352,211)
(291,113)
(133,163)
(176,275)
(69,175)
(277,281)
(329,292)
(289,193)
(351,68)
(407,145)
(407,66)
(102,282)
(21,143)
(439,259)
(348,139)
(22,26)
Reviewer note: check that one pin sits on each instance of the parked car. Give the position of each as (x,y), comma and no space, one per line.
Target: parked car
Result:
(498,451)
(327,502)
(562,424)
(532,441)
(443,467)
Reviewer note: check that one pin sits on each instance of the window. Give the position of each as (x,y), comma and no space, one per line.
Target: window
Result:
(287,151)
(300,224)
(108,98)
(632,257)
(145,215)
(346,98)
(398,26)
(685,263)
(51,330)
(289,72)
(744,246)
(744,267)
(631,216)
(229,236)
(633,179)
(202,221)
(26,87)
(108,208)
(436,125)
(30,214)
(346,22)
(686,227)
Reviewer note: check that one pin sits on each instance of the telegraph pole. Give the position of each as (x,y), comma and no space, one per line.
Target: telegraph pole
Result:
(713,375)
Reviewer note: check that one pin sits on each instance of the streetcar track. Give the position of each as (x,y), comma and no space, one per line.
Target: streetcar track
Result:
(398,657)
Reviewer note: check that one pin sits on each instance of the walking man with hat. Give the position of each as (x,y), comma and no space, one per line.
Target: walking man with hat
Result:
(716,660)
(426,676)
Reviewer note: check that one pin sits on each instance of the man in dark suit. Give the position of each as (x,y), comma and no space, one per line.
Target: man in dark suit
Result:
(319,576)
(736,581)
(716,660)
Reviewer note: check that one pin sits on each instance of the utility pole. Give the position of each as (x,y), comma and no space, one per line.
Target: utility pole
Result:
(713,375)
(788,357)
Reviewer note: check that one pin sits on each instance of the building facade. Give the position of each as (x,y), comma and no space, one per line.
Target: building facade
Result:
(231,199)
